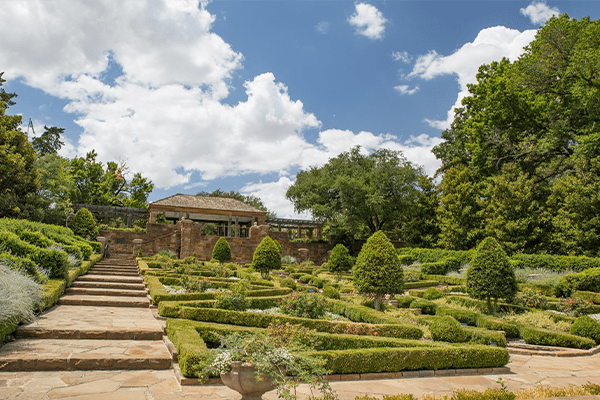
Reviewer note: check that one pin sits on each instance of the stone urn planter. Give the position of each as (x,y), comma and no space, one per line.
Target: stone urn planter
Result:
(242,379)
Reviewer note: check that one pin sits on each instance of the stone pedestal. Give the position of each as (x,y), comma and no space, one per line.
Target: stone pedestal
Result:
(186,238)
(103,241)
(137,246)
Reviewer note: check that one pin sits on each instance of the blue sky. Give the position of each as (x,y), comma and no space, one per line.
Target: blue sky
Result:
(241,95)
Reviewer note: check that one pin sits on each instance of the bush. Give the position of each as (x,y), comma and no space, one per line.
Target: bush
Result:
(231,301)
(288,282)
(530,298)
(267,257)
(404,301)
(447,329)
(586,327)
(575,307)
(432,294)
(377,271)
(318,282)
(288,260)
(588,280)
(222,251)
(490,275)
(546,337)
(427,307)
(84,225)
(303,305)
(340,260)
(493,324)
(463,316)
(331,293)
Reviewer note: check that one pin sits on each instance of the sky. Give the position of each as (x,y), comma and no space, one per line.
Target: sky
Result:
(242,95)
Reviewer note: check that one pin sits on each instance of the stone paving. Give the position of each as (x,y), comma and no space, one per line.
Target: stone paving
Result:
(526,372)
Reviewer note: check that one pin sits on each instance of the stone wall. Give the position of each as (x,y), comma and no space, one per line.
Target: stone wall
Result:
(185,239)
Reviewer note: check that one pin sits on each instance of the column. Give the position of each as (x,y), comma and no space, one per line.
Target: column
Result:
(237,227)
(299,232)
(228,227)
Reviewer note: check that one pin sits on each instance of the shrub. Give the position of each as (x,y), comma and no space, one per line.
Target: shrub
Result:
(331,292)
(303,305)
(288,282)
(340,260)
(404,301)
(512,329)
(221,271)
(588,280)
(432,294)
(19,295)
(318,282)
(464,316)
(231,301)
(84,225)
(546,337)
(530,298)
(447,329)
(426,306)
(586,327)
(490,275)
(288,260)
(222,251)
(377,271)
(575,306)
(267,257)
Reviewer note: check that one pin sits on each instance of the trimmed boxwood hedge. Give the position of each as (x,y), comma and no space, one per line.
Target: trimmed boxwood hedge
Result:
(586,327)
(589,296)
(174,310)
(446,279)
(360,313)
(465,316)
(545,337)
(420,284)
(494,324)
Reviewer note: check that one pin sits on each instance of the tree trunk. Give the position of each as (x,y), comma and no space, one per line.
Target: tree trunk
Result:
(489,305)
(377,301)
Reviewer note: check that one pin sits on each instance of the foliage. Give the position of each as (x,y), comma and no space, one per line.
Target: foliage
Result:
(288,260)
(340,260)
(586,327)
(530,298)
(270,359)
(432,294)
(288,282)
(192,285)
(447,329)
(20,296)
(575,306)
(222,251)
(588,280)
(546,337)
(84,224)
(357,192)
(542,320)
(19,180)
(426,306)
(304,305)
(490,275)
(377,271)
(231,301)
(331,293)
(49,142)
(267,257)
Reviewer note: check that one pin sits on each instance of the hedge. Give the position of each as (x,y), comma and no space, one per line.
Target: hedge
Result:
(262,302)
(360,361)
(360,313)
(556,263)
(482,305)
(484,336)
(512,329)
(589,296)
(174,310)
(588,280)
(464,316)
(420,284)
(192,352)
(23,264)
(446,279)
(586,327)
(421,255)
(545,337)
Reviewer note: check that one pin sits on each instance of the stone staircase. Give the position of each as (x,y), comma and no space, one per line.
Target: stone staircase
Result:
(102,322)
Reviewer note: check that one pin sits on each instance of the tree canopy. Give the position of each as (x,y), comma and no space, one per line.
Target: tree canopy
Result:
(360,193)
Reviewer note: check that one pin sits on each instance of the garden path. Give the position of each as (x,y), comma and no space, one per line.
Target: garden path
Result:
(103,322)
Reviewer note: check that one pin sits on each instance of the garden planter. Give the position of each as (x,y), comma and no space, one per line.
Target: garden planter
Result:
(242,379)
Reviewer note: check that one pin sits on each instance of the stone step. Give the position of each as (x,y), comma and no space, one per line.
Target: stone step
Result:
(113,272)
(111,333)
(89,277)
(83,354)
(117,262)
(105,292)
(107,301)
(108,285)
(117,267)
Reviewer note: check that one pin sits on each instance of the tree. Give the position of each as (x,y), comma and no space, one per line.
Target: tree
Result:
(267,257)
(19,179)
(490,275)
(84,225)
(423,229)
(221,251)
(56,183)
(248,199)
(363,194)
(340,260)
(377,271)
(49,142)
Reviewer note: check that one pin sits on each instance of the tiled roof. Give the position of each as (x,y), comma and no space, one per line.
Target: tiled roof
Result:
(207,203)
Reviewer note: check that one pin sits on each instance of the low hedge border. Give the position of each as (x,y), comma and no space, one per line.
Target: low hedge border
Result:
(260,302)
(589,296)
(190,338)
(446,279)
(420,284)
(359,313)
(174,310)
(545,337)
(159,293)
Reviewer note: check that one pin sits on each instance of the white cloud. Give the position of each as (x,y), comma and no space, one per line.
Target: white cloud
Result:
(404,89)
(368,21)
(539,12)
(491,44)
(273,196)
(402,56)
(323,27)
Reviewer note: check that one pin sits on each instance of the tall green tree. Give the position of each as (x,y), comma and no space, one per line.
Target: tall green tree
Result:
(19,180)
(360,193)
(49,142)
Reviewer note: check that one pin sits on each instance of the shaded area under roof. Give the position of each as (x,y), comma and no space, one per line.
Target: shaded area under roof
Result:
(206,203)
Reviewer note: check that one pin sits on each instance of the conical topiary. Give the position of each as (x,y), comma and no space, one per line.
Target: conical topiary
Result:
(490,275)
(221,251)
(84,225)
(377,271)
(340,260)
(267,257)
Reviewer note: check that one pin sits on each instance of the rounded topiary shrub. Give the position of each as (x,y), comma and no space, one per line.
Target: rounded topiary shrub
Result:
(432,294)
(331,293)
(221,251)
(490,274)
(267,257)
(288,282)
(586,327)
(340,260)
(377,271)
(447,329)
(84,225)
(426,306)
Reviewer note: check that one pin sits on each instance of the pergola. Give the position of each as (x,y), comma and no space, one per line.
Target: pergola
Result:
(232,217)
(106,212)
(299,224)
